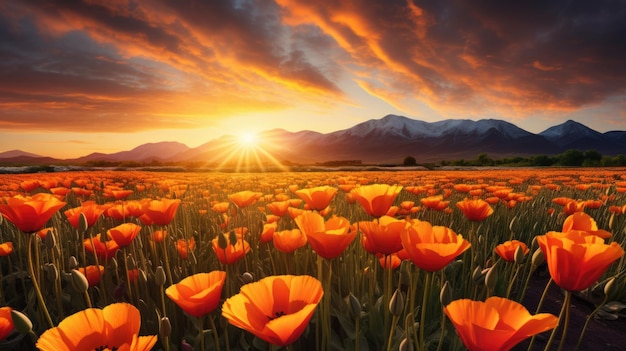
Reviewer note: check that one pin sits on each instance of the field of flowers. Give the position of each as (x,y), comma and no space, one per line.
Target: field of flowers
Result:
(422,260)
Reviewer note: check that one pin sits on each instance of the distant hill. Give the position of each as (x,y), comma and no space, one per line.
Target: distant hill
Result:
(386,140)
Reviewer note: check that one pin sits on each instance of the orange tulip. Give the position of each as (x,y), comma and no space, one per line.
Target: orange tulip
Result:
(328,239)
(276,309)
(115,327)
(317,198)
(584,222)
(6,322)
(498,324)
(124,234)
(376,199)
(30,214)
(382,236)
(104,250)
(231,253)
(435,202)
(90,209)
(507,249)
(289,240)
(198,294)
(475,209)
(6,248)
(161,212)
(431,248)
(92,273)
(184,246)
(576,259)
(244,198)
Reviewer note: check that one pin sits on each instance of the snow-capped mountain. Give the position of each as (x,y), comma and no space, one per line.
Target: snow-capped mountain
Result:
(386,140)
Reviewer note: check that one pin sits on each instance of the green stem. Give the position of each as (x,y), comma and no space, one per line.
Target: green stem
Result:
(427,284)
(563,317)
(582,332)
(394,322)
(508,290)
(545,292)
(31,271)
(215,337)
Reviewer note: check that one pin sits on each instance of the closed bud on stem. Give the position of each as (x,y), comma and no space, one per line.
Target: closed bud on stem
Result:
(82,223)
(406,345)
(165,327)
(79,281)
(445,295)
(130,262)
(222,242)
(72,262)
(159,276)
(611,221)
(52,273)
(50,241)
(396,304)
(491,278)
(538,258)
(519,256)
(247,278)
(609,287)
(142,276)
(477,275)
(232,237)
(21,322)
(185,346)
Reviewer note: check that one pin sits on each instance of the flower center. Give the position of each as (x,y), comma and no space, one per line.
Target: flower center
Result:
(277,314)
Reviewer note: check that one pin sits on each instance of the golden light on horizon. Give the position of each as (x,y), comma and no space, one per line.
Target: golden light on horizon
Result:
(245,153)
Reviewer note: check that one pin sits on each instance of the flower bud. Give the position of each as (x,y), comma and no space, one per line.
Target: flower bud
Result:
(247,277)
(478,275)
(491,278)
(222,242)
(159,276)
(396,304)
(21,322)
(52,273)
(538,258)
(232,237)
(50,241)
(354,306)
(82,223)
(609,287)
(165,327)
(406,345)
(130,262)
(519,255)
(185,346)
(79,281)
(72,262)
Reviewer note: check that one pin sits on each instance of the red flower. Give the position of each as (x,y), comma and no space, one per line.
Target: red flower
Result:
(30,214)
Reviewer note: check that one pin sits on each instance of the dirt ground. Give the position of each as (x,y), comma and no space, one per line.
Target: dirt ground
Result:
(603,335)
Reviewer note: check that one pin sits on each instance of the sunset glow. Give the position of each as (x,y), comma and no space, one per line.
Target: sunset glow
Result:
(101,76)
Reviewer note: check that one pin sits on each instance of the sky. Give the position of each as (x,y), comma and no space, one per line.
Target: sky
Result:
(82,76)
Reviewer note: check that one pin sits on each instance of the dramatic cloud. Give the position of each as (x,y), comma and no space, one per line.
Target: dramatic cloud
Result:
(100,65)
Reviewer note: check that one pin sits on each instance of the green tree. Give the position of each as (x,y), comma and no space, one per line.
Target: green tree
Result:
(409,161)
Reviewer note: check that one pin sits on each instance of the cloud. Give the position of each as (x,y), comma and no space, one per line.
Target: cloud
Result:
(99,65)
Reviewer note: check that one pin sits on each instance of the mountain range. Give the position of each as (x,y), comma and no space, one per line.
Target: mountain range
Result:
(386,140)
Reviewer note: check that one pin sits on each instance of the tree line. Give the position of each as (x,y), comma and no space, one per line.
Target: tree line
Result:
(569,158)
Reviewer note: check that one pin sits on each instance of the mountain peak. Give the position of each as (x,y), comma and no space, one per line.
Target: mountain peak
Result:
(572,129)
(17,153)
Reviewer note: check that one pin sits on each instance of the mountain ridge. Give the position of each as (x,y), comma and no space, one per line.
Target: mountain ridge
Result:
(386,140)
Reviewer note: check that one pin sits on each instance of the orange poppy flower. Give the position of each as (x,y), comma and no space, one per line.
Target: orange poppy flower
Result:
(498,324)
(584,222)
(507,249)
(104,250)
(279,208)
(29,185)
(376,199)
(431,248)
(289,240)
(277,309)
(198,294)
(6,322)
(232,253)
(6,248)
(268,232)
(124,234)
(475,209)
(382,236)
(317,198)
(90,209)
(30,214)
(576,259)
(121,194)
(115,327)
(92,273)
(244,198)
(435,202)
(184,246)
(159,235)
(161,212)
(329,239)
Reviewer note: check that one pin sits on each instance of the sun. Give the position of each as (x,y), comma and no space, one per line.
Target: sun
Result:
(248,140)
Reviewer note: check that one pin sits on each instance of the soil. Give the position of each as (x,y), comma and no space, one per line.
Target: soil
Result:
(604,335)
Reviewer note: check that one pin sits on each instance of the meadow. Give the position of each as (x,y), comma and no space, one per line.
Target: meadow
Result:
(409,260)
